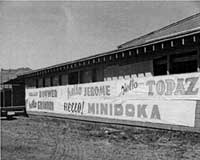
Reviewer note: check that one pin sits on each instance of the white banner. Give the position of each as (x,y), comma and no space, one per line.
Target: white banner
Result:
(179,86)
(162,99)
(167,112)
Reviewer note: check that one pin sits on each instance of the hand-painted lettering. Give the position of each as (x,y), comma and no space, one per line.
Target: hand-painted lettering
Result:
(142,110)
(192,82)
(170,87)
(129,110)
(74,107)
(97,91)
(150,84)
(180,90)
(155,114)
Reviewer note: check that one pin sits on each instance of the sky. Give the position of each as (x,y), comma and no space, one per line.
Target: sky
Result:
(41,34)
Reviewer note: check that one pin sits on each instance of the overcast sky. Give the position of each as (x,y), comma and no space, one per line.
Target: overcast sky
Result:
(40,34)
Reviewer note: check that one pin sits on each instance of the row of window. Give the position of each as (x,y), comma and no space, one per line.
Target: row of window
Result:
(174,64)
(92,75)
(169,64)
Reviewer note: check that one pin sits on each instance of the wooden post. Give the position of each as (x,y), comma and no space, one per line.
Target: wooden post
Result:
(198,59)
(79,77)
(168,64)
(12,95)
(3,89)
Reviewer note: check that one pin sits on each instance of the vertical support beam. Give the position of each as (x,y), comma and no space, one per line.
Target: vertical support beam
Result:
(1,101)
(79,77)
(102,68)
(168,64)
(4,100)
(36,82)
(137,51)
(3,89)
(153,47)
(43,82)
(198,59)
(12,95)
(60,80)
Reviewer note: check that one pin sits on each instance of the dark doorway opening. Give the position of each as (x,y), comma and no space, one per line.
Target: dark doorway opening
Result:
(73,78)
(160,66)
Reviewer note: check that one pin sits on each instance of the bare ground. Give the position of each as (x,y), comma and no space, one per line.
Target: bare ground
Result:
(46,138)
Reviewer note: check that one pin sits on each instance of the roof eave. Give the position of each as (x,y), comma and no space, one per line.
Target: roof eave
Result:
(150,42)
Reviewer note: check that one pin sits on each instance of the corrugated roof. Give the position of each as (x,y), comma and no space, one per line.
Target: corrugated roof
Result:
(183,25)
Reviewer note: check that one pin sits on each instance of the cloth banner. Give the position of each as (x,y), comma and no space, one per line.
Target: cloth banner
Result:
(161,99)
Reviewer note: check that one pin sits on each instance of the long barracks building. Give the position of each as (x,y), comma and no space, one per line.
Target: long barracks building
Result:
(172,50)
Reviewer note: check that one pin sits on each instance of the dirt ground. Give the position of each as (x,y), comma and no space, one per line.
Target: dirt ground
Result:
(46,138)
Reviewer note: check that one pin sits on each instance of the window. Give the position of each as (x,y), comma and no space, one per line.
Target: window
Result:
(40,82)
(160,66)
(60,79)
(183,63)
(73,78)
(36,83)
(178,63)
(51,81)
(86,76)
(43,82)
(64,79)
(94,75)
